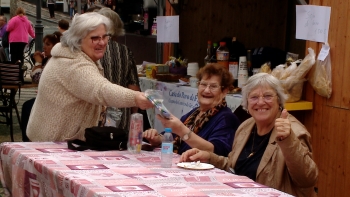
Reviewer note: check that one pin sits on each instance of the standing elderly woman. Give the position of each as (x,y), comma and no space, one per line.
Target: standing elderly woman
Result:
(272,148)
(72,90)
(212,125)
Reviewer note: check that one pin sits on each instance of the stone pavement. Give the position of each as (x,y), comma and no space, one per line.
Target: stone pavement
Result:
(45,15)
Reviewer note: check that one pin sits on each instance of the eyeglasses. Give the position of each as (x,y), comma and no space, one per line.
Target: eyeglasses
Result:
(266,97)
(212,87)
(97,39)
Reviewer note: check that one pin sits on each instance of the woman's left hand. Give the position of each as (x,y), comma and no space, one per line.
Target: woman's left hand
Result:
(282,126)
(174,123)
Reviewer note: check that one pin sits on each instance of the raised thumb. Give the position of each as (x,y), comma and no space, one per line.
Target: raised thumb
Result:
(284,114)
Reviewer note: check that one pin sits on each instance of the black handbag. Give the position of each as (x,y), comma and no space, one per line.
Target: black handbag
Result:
(101,139)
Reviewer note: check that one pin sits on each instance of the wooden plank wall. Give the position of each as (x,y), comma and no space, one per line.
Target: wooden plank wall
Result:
(255,23)
(266,23)
(329,122)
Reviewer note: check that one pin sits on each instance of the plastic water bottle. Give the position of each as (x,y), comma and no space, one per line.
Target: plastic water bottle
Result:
(167,149)
(135,133)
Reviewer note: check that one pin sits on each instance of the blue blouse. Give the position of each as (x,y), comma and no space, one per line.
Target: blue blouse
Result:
(219,130)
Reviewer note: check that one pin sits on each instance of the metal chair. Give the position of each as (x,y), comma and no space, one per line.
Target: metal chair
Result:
(10,79)
(27,54)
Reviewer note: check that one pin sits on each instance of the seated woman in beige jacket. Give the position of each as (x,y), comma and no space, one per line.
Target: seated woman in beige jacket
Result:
(72,90)
(272,148)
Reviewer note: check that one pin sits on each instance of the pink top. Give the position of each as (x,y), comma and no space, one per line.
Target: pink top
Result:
(19,28)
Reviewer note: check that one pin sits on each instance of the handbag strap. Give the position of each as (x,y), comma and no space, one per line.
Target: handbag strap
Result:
(80,145)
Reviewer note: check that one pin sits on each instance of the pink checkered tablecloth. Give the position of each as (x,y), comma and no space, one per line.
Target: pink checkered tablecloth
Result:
(51,169)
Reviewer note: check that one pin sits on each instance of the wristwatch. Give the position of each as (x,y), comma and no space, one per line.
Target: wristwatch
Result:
(186,136)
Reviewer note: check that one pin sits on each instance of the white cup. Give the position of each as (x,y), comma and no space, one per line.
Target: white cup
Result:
(192,68)
(194,82)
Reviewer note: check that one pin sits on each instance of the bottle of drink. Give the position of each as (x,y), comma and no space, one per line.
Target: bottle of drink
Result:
(145,19)
(167,149)
(154,27)
(242,71)
(135,133)
(233,61)
(209,53)
(249,63)
(222,55)
(213,53)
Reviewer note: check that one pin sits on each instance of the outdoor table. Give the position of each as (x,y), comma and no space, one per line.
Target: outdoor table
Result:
(40,169)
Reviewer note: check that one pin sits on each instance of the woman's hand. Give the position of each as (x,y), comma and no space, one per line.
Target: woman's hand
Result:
(195,154)
(152,136)
(38,57)
(142,102)
(174,123)
(282,126)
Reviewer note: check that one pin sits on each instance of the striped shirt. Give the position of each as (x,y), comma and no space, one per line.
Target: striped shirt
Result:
(120,68)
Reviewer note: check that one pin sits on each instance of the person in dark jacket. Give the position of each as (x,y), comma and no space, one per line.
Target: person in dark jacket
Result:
(212,125)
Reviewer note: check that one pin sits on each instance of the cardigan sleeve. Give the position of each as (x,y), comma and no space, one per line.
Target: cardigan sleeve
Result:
(86,82)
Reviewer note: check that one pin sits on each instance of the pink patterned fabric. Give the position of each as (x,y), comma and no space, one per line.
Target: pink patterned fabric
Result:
(51,169)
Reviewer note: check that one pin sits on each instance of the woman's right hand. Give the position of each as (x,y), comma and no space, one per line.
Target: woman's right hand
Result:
(38,57)
(142,102)
(195,154)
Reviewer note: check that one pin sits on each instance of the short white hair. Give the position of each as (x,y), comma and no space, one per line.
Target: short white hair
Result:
(81,26)
(263,80)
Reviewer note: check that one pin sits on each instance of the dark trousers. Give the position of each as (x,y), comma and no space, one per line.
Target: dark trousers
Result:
(26,108)
(16,51)
(51,10)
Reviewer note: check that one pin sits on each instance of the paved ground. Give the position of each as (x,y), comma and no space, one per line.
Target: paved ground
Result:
(50,25)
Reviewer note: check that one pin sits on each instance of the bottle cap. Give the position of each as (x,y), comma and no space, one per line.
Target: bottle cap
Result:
(222,43)
(167,130)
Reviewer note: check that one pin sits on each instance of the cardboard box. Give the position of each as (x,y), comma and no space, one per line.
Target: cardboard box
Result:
(153,69)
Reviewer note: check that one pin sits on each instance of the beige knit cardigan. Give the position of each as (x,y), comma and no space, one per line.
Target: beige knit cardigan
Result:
(71,92)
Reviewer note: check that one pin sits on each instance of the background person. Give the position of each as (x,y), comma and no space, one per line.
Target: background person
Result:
(63,25)
(3,25)
(19,27)
(272,147)
(212,125)
(118,63)
(51,6)
(72,90)
(40,59)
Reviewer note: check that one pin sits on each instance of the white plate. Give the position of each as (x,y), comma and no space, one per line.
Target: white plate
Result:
(194,166)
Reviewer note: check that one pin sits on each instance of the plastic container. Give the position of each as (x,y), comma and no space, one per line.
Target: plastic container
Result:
(222,55)
(167,149)
(135,133)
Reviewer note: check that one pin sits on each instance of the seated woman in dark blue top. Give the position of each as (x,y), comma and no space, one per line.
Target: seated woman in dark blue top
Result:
(212,125)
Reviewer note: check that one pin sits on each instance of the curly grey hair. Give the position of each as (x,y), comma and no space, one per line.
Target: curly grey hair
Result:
(117,28)
(80,27)
(263,79)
